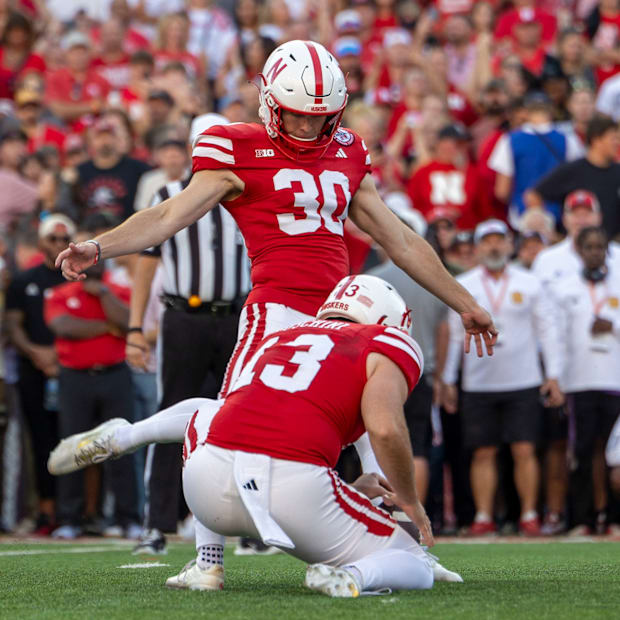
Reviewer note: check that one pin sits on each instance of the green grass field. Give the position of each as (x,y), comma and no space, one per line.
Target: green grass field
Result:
(555,580)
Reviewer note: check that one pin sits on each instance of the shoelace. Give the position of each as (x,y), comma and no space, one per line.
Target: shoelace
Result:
(186,569)
(90,453)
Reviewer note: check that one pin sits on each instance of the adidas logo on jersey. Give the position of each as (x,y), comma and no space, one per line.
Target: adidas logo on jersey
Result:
(264,152)
(341,153)
(251,485)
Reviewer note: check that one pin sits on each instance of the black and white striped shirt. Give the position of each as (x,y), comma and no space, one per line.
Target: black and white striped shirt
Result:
(207,259)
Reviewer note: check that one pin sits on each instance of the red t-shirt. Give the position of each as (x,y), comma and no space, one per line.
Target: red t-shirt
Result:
(9,77)
(440,184)
(291,213)
(299,399)
(71,299)
(607,37)
(63,86)
(47,134)
(115,73)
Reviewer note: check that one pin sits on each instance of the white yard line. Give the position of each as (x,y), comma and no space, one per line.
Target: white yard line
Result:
(83,549)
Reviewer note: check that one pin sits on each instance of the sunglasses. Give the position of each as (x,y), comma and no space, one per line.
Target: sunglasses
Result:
(55,239)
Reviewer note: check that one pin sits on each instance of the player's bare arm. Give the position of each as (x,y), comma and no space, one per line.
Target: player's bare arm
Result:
(153,226)
(416,257)
(382,411)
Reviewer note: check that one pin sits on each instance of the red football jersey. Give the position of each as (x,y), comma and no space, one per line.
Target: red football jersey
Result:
(291,213)
(298,398)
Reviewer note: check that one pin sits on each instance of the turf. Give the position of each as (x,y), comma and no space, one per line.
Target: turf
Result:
(501,581)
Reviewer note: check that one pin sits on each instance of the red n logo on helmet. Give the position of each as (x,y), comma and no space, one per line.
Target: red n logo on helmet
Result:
(275,70)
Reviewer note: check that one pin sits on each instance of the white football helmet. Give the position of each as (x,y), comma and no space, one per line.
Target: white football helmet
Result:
(302,77)
(368,300)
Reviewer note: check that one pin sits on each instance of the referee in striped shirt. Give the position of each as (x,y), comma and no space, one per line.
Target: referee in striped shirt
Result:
(206,280)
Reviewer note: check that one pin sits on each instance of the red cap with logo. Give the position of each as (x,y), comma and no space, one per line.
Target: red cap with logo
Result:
(581,199)
(442,212)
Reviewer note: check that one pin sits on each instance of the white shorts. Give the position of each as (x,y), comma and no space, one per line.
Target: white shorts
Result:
(326,519)
(612,452)
(255,323)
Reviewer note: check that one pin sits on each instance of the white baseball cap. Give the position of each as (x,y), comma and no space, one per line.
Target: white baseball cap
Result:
(56,223)
(400,204)
(490,227)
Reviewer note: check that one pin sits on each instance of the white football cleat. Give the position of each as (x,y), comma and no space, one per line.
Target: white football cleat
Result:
(440,573)
(192,577)
(78,451)
(335,582)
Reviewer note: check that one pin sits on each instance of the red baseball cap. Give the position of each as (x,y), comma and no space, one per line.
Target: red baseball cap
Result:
(583,199)
(442,212)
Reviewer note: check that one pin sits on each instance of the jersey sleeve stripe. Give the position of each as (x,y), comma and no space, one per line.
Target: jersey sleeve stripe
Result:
(212,153)
(414,353)
(224,143)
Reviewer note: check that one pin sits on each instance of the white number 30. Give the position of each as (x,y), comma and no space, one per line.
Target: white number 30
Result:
(307,199)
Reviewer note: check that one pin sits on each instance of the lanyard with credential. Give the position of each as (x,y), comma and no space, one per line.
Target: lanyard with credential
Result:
(597,305)
(495,302)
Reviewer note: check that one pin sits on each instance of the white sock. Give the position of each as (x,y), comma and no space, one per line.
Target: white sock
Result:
(368,460)
(204,536)
(165,426)
(482,517)
(529,515)
(393,568)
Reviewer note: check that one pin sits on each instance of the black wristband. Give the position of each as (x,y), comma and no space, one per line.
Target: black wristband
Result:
(134,329)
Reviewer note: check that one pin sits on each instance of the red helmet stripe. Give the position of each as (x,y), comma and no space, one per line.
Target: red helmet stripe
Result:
(318,72)
(344,287)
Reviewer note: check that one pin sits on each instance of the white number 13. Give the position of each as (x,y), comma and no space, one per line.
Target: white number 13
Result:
(307,199)
(308,364)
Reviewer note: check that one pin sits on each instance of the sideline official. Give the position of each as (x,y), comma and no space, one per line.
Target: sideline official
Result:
(206,280)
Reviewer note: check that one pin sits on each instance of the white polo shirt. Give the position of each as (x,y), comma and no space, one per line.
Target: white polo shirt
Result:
(561,260)
(523,315)
(591,362)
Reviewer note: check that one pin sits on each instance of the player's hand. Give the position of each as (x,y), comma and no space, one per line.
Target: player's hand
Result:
(373,485)
(479,325)
(44,358)
(450,398)
(418,516)
(76,259)
(552,392)
(137,351)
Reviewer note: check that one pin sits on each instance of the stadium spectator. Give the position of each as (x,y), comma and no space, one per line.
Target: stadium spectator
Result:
(30,111)
(525,11)
(529,245)
(573,59)
(76,91)
(89,320)
(603,26)
(500,400)
(449,179)
(16,56)
(172,160)
(108,182)
(525,155)
(112,63)
(581,108)
(598,172)
(589,304)
(38,363)
(160,110)
(18,196)
(608,100)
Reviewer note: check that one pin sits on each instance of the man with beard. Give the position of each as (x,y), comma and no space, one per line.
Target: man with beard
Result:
(109,181)
(501,400)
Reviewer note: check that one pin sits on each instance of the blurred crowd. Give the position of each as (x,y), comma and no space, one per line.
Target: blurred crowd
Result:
(492,129)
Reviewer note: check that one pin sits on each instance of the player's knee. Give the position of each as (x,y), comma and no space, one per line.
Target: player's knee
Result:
(486,453)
